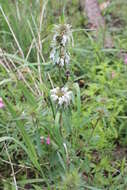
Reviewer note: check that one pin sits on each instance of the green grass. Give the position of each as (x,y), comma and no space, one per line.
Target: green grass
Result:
(91,151)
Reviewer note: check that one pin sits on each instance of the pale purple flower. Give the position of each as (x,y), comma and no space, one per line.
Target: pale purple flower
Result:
(1,103)
(64,40)
(48,140)
(67,58)
(113,74)
(61,62)
(52,54)
(44,140)
(125,59)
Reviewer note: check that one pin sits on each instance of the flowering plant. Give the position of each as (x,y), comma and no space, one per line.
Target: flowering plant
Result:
(62,36)
(61,96)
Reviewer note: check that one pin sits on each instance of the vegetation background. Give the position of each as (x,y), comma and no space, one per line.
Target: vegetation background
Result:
(91,153)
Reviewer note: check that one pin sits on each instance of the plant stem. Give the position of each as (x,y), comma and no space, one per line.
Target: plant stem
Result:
(60,77)
(94,128)
(61,123)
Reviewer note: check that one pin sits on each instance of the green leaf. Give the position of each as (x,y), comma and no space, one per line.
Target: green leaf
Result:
(61,161)
(30,147)
(2,139)
(92,188)
(29,96)
(39,145)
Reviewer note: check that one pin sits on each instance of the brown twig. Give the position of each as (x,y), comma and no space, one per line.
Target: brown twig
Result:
(13,173)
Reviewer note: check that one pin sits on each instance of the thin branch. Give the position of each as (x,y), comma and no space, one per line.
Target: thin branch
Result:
(18,165)
(13,173)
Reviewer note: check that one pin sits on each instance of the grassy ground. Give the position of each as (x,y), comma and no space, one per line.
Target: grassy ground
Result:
(91,151)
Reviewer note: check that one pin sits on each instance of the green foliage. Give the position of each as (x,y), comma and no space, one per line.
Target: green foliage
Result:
(88,140)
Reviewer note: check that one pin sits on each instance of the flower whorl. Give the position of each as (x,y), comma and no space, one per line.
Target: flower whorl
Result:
(59,53)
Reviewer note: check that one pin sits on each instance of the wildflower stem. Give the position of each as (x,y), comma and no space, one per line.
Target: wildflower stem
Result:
(60,77)
(61,123)
(53,112)
(94,128)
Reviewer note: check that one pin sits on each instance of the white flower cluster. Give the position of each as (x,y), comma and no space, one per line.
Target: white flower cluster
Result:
(61,60)
(59,53)
(62,96)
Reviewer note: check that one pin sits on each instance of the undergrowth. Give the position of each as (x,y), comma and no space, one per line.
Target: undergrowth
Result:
(79,143)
